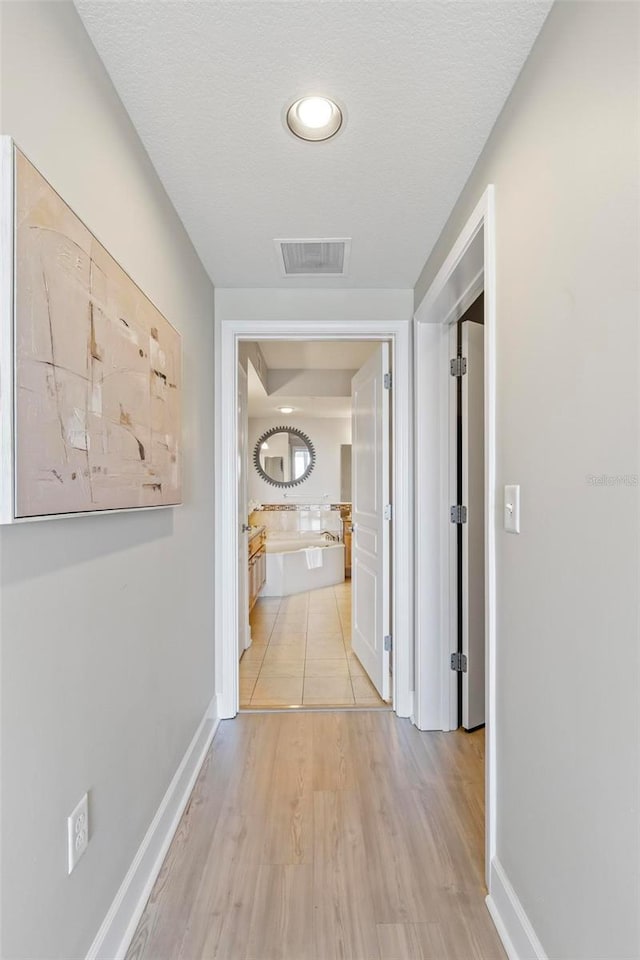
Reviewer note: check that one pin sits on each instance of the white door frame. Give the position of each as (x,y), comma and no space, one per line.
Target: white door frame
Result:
(244,634)
(467,271)
(228,334)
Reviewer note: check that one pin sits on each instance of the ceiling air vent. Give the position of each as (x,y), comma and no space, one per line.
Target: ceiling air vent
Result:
(314,258)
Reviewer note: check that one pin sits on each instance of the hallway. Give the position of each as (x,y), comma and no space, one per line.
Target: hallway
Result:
(312,836)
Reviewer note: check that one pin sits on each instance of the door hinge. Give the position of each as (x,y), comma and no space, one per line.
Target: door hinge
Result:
(458,514)
(388,643)
(388,381)
(458,366)
(388,512)
(459,662)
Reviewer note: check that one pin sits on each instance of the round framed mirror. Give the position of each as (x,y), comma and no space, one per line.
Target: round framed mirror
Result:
(284,456)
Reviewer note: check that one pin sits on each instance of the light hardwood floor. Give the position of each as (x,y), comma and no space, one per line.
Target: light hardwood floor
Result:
(327,836)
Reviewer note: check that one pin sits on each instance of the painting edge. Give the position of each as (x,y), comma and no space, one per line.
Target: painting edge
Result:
(7,270)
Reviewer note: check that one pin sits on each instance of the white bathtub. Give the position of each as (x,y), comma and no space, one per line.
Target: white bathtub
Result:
(287,570)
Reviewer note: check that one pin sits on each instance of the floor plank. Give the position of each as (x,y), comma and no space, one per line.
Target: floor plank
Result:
(282,906)
(417,941)
(327,836)
(344,925)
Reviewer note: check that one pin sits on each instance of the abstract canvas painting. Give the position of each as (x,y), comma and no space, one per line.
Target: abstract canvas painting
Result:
(97,368)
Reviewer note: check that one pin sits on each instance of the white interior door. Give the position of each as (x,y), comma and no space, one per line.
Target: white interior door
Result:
(473,536)
(244,638)
(371,534)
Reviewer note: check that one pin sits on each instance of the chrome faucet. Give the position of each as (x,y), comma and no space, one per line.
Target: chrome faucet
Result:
(330,536)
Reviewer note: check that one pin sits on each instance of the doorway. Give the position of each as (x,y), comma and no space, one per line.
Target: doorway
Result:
(314,445)
(230,334)
(468,270)
(467,513)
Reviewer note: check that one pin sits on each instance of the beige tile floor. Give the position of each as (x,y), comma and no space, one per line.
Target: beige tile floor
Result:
(301,654)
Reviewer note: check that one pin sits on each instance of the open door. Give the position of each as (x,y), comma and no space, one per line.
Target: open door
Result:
(244,638)
(371,518)
(473,535)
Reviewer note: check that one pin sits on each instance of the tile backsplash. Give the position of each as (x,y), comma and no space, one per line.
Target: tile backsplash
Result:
(300,518)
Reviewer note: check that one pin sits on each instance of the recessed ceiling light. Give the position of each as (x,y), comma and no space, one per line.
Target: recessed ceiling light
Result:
(285,409)
(314,118)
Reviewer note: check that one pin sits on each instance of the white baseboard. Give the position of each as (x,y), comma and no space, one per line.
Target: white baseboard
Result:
(513,925)
(118,927)
(409,707)
(213,713)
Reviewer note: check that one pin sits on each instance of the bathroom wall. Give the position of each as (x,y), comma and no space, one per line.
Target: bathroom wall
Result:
(249,352)
(323,484)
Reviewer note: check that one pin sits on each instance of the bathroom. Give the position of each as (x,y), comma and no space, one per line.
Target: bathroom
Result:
(295,479)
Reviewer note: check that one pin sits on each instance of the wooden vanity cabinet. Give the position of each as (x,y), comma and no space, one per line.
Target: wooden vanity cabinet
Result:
(346,536)
(257,564)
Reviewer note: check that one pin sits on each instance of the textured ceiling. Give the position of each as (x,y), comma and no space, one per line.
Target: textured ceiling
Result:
(206,82)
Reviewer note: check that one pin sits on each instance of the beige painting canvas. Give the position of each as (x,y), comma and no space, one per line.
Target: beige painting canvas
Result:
(97,370)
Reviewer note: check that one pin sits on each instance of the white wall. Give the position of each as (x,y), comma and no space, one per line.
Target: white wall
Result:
(269,304)
(323,483)
(564,160)
(106,622)
(309,383)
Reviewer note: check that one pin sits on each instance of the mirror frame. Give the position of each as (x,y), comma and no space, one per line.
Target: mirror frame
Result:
(284,483)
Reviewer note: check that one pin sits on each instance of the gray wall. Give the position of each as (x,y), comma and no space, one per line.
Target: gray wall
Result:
(564,159)
(106,622)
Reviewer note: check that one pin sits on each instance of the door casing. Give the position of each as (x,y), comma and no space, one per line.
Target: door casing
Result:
(244,629)
(228,335)
(468,270)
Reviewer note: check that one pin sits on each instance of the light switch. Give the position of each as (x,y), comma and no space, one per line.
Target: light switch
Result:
(512,508)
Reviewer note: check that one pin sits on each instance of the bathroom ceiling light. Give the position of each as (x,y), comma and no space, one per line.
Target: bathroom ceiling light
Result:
(314,118)
(285,409)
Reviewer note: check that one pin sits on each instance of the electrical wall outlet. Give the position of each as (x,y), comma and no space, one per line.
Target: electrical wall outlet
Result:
(78,832)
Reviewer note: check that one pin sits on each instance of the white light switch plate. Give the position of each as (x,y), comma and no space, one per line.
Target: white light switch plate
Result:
(512,508)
